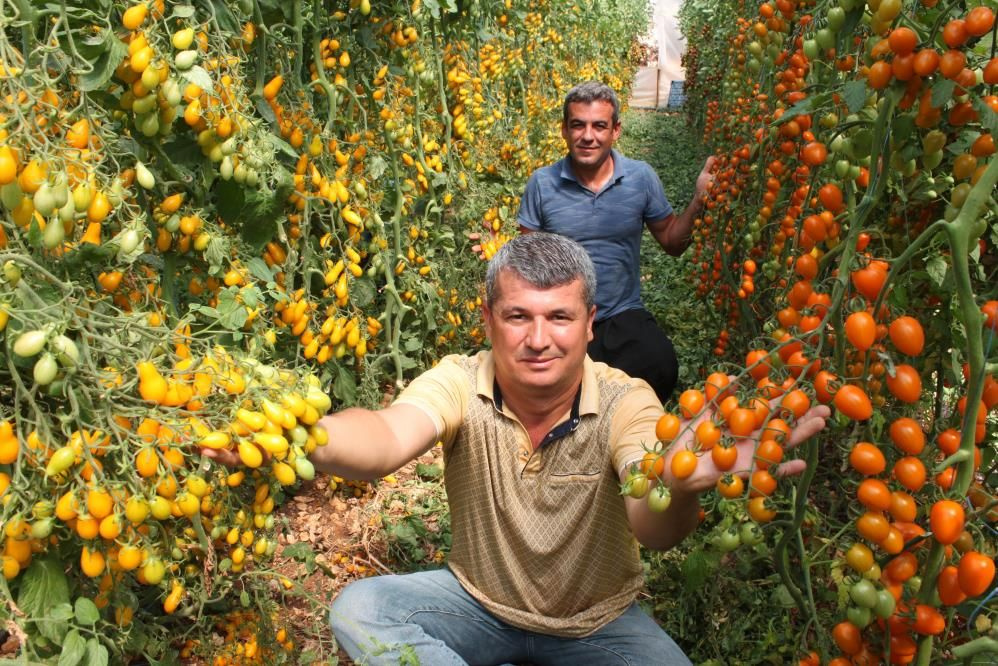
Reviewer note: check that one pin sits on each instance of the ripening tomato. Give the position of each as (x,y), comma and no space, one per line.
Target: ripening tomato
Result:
(926,62)
(757,361)
(796,402)
(948,441)
(902,567)
(822,390)
(761,483)
(768,453)
(691,402)
(990,312)
(707,434)
(928,620)
(729,486)
(861,330)
(867,459)
(873,526)
(741,421)
(976,571)
(847,637)
(948,586)
(759,510)
(907,335)
(683,464)
(859,557)
(910,473)
(714,387)
(903,507)
(653,464)
(874,494)
(724,457)
(907,435)
(869,280)
(852,401)
(905,384)
(667,427)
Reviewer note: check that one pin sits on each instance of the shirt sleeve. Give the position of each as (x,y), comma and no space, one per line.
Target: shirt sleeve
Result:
(530,214)
(442,393)
(657,206)
(632,430)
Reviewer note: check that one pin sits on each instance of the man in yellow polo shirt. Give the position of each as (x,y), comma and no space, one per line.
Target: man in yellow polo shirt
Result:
(537,437)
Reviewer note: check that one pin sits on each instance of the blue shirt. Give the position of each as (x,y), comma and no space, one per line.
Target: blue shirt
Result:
(608,223)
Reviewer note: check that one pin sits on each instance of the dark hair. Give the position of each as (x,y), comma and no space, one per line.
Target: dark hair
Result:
(589,92)
(544,260)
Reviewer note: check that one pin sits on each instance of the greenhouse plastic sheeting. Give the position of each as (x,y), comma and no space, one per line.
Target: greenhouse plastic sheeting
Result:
(653,89)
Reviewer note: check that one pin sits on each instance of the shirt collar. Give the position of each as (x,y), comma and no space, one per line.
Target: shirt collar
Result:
(618,167)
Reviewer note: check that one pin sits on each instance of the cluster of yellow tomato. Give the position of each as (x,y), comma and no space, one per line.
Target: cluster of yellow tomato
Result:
(246,638)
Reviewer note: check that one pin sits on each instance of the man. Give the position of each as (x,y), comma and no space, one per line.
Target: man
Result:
(537,438)
(603,200)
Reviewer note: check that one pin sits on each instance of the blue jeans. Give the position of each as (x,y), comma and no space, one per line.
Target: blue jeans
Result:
(427,618)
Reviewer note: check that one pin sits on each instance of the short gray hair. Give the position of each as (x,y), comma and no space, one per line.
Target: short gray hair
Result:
(589,92)
(544,260)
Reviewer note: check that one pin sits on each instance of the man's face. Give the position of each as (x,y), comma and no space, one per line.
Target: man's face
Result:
(539,336)
(590,132)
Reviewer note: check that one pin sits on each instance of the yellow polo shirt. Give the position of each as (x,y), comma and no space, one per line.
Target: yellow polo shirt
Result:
(540,537)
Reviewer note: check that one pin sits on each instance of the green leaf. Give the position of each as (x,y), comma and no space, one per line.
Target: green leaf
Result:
(362,292)
(425,471)
(989,119)
(806,105)
(96,653)
(113,51)
(182,11)
(301,552)
(199,77)
(936,268)
(345,386)
(231,312)
(854,94)
(695,569)
(86,611)
(942,90)
(259,269)
(43,588)
(73,649)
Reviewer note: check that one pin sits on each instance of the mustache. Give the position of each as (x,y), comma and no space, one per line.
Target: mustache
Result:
(537,356)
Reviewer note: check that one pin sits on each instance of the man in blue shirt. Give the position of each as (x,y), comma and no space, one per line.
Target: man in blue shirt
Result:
(604,200)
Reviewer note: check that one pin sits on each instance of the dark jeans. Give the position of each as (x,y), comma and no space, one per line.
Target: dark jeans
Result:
(632,341)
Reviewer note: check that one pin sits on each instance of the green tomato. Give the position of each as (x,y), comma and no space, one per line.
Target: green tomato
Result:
(659,498)
(884,607)
(750,534)
(825,38)
(859,616)
(837,16)
(728,540)
(45,370)
(863,593)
